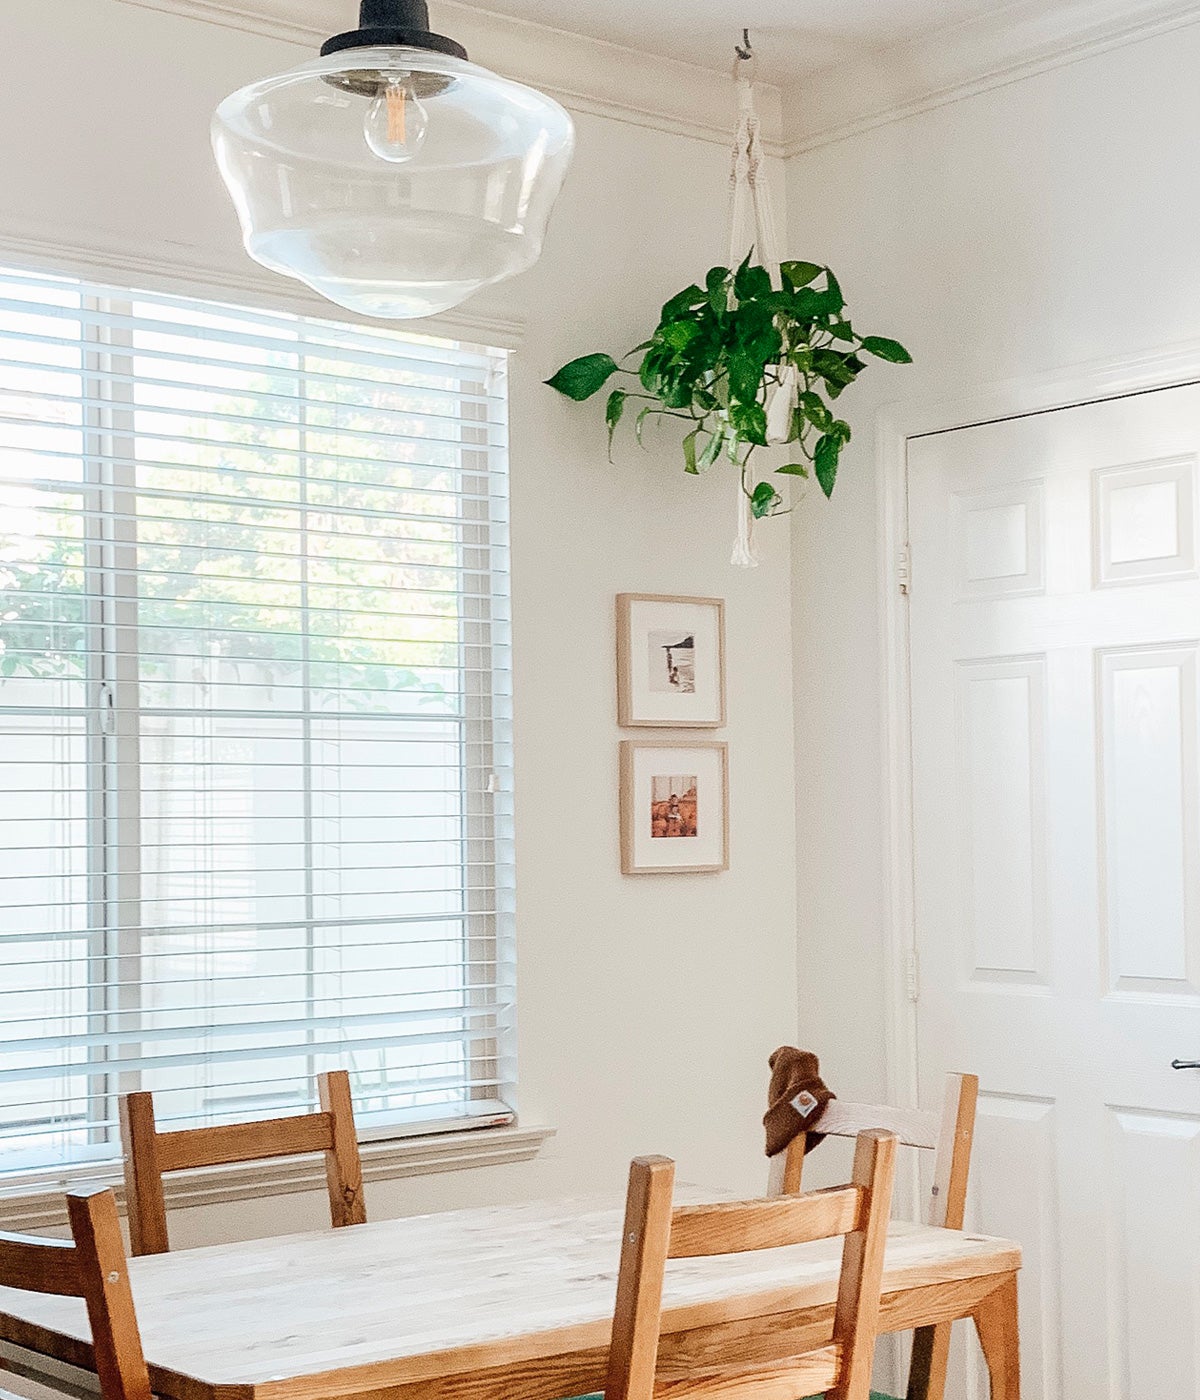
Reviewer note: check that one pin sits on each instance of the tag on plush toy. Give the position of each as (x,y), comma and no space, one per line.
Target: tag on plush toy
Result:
(804,1103)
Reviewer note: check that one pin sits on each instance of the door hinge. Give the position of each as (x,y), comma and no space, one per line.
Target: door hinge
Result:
(912,975)
(904,571)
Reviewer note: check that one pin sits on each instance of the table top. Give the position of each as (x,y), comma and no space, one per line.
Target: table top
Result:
(409,1299)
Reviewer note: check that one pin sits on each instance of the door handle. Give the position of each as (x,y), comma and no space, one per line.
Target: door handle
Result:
(1185,1064)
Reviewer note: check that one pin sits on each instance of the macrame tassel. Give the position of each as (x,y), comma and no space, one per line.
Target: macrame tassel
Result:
(744,555)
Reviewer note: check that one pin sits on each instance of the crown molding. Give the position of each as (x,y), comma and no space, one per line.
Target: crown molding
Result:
(586,75)
(988,51)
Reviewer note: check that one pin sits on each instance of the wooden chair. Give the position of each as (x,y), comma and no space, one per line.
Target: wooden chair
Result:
(949,1135)
(92,1266)
(150,1154)
(654,1233)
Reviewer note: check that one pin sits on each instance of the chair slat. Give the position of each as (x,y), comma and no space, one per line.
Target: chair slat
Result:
(244,1142)
(40,1265)
(811,1374)
(733,1227)
(913,1126)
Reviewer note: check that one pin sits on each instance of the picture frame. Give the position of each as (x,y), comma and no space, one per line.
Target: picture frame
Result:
(670,661)
(674,806)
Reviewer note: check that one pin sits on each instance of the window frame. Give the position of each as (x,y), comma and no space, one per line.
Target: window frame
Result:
(114,719)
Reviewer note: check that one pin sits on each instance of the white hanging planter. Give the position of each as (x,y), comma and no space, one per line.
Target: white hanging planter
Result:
(752,357)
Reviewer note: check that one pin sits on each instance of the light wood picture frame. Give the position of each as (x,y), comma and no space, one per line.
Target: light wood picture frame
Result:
(674,806)
(670,661)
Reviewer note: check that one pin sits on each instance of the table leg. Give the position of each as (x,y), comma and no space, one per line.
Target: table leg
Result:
(996,1322)
(930,1357)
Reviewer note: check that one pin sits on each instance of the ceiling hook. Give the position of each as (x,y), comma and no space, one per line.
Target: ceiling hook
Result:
(743,50)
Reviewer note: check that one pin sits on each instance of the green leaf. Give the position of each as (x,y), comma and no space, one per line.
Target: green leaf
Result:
(837,369)
(825,463)
(651,367)
(885,349)
(641,419)
(680,334)
(807,305)
(681,303)
(676,393)
(815,410)
(793,469)
(584,377)
(833,292)
(799,274)
(763,498)
(711,451)
(745,377)
(842,330)
(840,429)
(718,290)
(751,283)
(750,422)
(689,453)
(756,332)
(612,414)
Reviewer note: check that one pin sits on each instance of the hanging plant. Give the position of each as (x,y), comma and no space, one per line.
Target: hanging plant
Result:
(744,366)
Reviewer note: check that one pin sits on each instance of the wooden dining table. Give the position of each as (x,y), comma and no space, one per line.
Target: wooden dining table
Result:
(498,1303)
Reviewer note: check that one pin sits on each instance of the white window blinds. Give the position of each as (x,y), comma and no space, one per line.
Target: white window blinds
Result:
(255,799)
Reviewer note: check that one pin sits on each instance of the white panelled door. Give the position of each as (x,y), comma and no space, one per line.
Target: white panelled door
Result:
(1055,631)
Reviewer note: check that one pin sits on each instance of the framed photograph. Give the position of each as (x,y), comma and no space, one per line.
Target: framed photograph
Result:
(670,662)
(674,806)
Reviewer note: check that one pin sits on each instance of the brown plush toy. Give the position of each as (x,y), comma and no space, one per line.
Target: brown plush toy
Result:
(796,1099)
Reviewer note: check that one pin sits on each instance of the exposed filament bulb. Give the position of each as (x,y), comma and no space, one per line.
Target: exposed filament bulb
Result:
(396,122)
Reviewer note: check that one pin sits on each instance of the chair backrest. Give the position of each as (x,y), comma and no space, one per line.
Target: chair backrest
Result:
(654,1233)
(149,1155)
(92,1266)
(949,1135)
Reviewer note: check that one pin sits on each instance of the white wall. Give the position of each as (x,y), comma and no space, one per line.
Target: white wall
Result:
(648,1005)
(1038,226)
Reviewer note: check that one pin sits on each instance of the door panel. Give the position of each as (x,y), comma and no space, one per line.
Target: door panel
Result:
(1055,636)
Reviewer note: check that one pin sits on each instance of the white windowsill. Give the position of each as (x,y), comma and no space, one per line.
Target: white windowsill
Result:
(43,1207)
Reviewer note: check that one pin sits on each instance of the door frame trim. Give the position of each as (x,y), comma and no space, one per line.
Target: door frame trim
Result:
(895,425)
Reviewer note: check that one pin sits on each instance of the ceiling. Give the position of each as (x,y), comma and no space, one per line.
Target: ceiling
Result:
(793,38)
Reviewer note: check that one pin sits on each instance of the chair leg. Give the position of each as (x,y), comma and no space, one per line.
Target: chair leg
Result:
(999,1336)
(930,1358)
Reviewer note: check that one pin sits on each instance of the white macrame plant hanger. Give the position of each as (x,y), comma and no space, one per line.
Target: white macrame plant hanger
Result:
(752,226)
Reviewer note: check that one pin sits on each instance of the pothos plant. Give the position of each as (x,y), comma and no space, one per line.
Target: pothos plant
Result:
(719,355)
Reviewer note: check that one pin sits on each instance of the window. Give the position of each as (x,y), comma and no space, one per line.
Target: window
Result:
(254,719)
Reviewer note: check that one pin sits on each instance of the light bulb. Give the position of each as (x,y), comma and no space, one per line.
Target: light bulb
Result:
(396,123)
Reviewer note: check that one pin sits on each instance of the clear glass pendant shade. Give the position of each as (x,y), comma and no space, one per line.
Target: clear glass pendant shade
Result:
(394,181)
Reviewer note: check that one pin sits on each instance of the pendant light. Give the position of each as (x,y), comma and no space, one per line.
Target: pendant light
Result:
(391,175)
